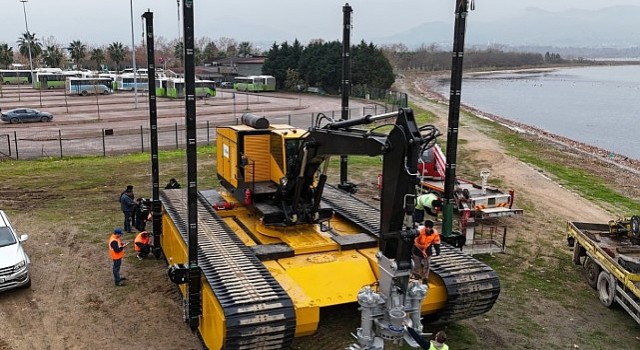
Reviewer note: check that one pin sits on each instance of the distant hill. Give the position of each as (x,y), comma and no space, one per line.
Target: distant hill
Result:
(612,27)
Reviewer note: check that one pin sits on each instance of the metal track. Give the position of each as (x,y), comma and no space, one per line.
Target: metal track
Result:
(472,286)
(258,312)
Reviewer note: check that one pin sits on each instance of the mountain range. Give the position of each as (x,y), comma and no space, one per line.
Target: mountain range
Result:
(612,27)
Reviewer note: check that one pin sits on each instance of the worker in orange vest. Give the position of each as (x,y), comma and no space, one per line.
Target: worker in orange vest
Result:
(116,250)
(142,245)
(423,246)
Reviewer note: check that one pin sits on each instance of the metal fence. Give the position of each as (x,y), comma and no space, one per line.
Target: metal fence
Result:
(71,142)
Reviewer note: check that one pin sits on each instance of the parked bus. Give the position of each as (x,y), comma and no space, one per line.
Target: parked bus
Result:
(255,83)
(15,76)
(128,82)
(87,86)
(111,76)
(55,78)
(174,87)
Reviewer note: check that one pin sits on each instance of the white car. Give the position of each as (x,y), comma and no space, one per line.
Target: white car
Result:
(14,262)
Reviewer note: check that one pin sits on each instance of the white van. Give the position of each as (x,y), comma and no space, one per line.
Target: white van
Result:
(14,262)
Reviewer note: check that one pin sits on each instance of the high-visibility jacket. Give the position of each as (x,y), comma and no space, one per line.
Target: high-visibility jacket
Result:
(443,347)
(115,255)
(140,239)
(426,201)
(423,241)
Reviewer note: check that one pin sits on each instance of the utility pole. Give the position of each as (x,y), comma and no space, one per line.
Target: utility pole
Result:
(133,58)
(26,25)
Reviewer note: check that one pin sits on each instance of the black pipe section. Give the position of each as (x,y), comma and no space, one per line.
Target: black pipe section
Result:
(156,207)
(367,119)
(194,288)
(454,114)
(346,90)
(255,121)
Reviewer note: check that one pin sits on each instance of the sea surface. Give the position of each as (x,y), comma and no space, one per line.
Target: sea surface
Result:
(599,106)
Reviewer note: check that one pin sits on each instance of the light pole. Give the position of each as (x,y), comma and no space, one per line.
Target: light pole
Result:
(133,57)
(26,25)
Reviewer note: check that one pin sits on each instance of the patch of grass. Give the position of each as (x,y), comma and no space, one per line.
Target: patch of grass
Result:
(85,191)
(549,161)
(528,328)
(597,339)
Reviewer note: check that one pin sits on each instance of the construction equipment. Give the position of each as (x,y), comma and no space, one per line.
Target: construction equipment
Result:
(472,202)
(610,255)
(277,244)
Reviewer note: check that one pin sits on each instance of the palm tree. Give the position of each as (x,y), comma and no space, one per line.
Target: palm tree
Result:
(77,51)
(97,56)
(29,39)
(53,56)
(6,55)
(245,49)
(116,53)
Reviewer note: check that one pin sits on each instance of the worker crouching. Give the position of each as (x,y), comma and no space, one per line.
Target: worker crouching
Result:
(142,245)
(428,239)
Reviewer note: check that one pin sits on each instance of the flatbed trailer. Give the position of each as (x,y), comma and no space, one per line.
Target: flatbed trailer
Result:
(611,262)
(475,204)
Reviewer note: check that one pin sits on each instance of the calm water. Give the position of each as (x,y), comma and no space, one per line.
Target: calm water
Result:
(599,106)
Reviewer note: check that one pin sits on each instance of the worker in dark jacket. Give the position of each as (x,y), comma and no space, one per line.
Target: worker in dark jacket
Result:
(116,250)
(423,246)
(429,202)
(173,183)
(140,215)
(127,205)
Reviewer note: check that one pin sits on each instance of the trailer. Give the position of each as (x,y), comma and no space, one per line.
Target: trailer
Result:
(477,205)
(610,255)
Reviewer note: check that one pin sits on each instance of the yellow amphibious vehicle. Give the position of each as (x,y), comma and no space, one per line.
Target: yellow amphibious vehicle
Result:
(276,244)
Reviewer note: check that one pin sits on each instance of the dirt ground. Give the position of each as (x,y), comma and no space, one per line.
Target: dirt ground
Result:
(74,305)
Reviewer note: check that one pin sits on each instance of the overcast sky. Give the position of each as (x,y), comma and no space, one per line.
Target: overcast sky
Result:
(98,22)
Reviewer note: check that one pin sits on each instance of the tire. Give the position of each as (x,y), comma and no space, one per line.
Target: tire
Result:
(208,95)
(635,226)
(45,119)
(591,272)
(606,288)
(105,92)
(577,253)
(14,120)
(84,93)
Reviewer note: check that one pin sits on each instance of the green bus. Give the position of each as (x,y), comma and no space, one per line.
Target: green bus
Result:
(255,83)
(15,76)
(174,88)
(55,79)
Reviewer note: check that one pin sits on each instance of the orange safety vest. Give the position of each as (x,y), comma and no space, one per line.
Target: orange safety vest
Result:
(423,241)
(140,239)
(114,255)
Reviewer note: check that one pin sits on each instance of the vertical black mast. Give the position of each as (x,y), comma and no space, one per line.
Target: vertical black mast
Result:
(454,113)
(346,90)
(194,296)
(156,207)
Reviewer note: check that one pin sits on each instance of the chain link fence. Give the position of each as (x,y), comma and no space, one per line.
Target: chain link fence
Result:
(70,142)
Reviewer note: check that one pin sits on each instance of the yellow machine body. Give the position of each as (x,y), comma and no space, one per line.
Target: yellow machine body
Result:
(319,273)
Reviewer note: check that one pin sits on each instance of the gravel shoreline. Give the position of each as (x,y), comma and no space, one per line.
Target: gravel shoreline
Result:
(629,164)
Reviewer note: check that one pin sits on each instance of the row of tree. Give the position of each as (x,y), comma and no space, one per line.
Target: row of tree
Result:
(52,54)
(319,64)
(433,58)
